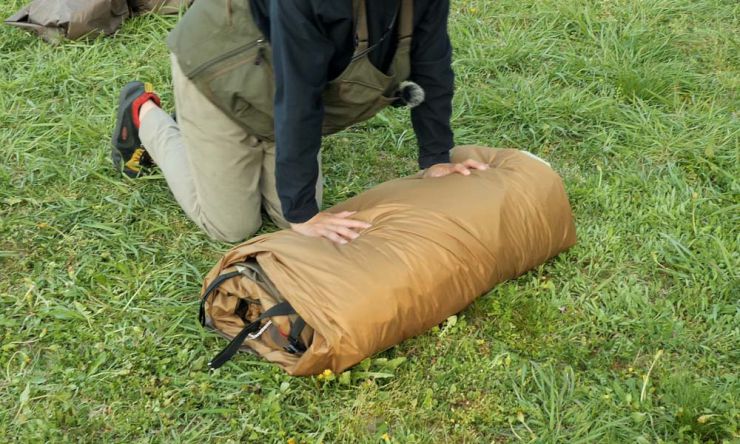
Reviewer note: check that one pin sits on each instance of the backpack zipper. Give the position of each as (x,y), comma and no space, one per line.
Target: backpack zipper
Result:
(227,55)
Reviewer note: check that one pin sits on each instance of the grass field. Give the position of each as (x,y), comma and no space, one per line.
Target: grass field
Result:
(631,336)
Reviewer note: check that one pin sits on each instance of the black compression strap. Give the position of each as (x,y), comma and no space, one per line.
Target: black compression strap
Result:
(282,309)
(214,285)
(294,338)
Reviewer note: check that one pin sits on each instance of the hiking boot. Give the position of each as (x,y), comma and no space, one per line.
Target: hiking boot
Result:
(127,153)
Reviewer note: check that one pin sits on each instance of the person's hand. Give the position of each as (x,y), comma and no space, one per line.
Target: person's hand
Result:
(335,227)
(445,169)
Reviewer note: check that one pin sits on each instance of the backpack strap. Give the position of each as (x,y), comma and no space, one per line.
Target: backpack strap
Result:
(362,33)
(282,309)
(362,37)
(295,345)
(406,25)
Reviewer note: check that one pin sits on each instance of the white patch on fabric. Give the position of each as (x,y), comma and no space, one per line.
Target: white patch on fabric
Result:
(536,157)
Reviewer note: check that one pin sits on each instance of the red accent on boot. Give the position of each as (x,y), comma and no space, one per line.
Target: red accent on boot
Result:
(141,100)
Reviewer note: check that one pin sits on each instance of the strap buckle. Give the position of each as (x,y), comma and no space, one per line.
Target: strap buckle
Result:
(259,332)
(294,346)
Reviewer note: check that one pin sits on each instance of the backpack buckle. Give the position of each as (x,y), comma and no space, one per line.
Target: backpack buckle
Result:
(259,332)
(294,347)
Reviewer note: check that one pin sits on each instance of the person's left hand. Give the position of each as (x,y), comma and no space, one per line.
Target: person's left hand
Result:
(445,169)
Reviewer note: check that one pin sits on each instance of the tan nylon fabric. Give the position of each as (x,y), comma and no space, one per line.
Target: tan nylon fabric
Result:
(435,245)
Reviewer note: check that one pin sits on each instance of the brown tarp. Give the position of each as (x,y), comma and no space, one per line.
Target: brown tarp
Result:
(55,20)
(435,245)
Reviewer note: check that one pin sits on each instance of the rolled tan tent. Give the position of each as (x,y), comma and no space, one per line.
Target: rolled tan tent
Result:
(435,245)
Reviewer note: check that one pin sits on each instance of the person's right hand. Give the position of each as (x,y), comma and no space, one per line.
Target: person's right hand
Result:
(335,227)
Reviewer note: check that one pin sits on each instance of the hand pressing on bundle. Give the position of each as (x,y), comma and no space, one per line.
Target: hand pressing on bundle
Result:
(445,169)
(337,227)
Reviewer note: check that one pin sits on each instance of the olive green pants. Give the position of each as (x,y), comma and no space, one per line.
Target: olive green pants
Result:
(221,176)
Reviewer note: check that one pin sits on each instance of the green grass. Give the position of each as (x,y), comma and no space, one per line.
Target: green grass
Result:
(632,336)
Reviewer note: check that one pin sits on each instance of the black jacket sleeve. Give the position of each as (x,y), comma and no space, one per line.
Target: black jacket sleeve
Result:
(431,68)
(295,31)
(306,35)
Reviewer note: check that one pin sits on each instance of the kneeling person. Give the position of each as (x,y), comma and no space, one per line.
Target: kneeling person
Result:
(258,82)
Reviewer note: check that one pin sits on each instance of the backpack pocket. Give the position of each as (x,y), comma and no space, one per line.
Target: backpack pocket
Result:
(221,50)
(356,95)
(241,84)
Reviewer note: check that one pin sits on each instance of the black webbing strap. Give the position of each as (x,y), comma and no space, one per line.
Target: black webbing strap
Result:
(294,338)
(214,285)
(282,309)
